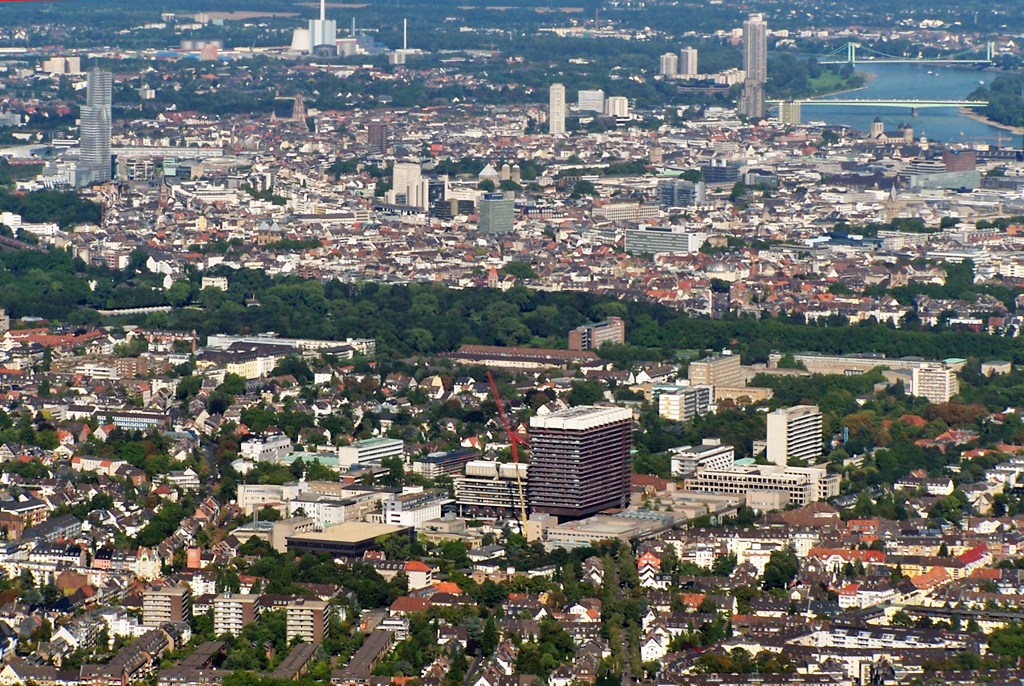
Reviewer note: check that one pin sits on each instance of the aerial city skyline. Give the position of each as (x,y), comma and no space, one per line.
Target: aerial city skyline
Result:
(448,344)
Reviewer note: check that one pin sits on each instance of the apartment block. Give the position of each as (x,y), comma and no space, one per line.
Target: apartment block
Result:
(162,604)
(307,618)
(232,612)
(683,403)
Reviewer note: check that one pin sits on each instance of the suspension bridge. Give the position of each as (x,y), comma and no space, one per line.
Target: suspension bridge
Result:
(848,54)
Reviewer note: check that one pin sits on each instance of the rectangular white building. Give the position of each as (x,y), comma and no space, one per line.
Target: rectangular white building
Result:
(794,432)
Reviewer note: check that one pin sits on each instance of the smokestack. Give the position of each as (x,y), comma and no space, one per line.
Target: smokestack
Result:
(353,27)
(405,34)
(323,10)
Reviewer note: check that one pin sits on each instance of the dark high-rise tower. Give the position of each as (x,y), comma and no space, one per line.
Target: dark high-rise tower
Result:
(579,461)
(377,136)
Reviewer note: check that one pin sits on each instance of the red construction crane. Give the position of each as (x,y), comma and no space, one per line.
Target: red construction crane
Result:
(514,439)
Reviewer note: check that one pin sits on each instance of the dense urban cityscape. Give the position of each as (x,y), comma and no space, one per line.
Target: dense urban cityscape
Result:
(432,344)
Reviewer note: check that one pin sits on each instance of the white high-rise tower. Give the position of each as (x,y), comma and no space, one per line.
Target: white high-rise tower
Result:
(556,109)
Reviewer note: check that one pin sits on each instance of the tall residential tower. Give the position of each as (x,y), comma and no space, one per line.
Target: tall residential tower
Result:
(755,64)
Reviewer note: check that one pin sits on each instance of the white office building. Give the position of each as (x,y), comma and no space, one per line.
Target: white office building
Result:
(794,432)
(590,101)
(267,448)
(790,485)
(711,454)
(369,451)
(414,506)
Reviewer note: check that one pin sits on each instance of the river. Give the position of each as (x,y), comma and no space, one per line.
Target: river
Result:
(914,82)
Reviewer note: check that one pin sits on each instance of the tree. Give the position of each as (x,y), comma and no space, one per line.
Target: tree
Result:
(489,638)
(781,569)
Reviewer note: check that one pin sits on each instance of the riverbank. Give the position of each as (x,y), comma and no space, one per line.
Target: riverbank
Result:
(978,116)
(868,78)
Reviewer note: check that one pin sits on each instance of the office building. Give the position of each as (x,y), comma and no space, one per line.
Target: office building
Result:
(688,63)
(789,112)
(415,507)
(789,485)
(617,106)
(683,403)
(669,65)
(710,454)
(720,171)
(369,451)
(593,336)
(716,370)
(377,136)
(680,193)
(794,432)
(162,604)
(267,448)
(755,64)
(934,381)
(663,239)
(556,109)
(590,101)
(490,489)
(451,462)
(407,185)
(63,65)
(350,539)
(580,461)
(497,213)
(307,618)
(95,129)
(232,612)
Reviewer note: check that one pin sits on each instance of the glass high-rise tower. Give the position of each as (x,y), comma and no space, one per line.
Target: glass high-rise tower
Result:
(94,131)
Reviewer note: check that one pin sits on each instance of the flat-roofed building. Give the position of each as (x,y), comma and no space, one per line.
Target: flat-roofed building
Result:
(369,451)
(593,336)
(307,618)
(579,461)
(162,604)
(802,485)
(350,539)
(716,370)
(934,381)
(794,432)
(490,489)
(415,507)
(711,454)
(232,612)
(683,403)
